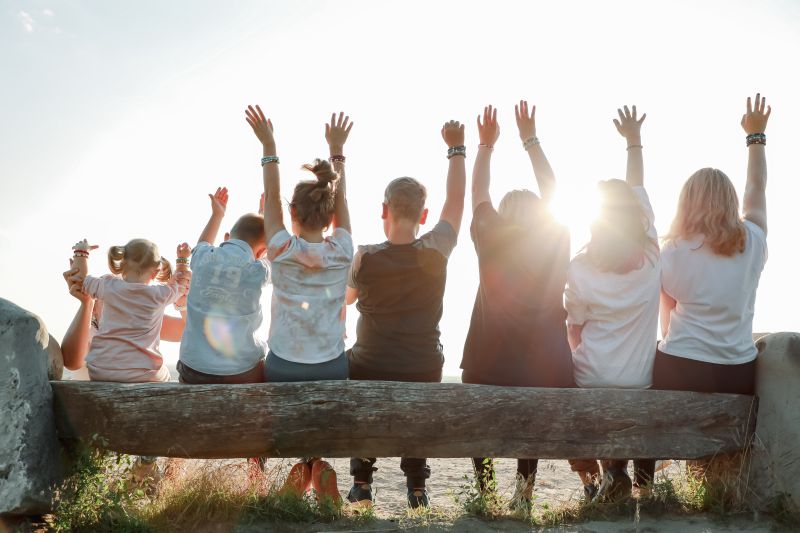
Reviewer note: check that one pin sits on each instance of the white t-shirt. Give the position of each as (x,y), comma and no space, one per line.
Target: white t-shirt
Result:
(713,319)
(619,314)
(308,285)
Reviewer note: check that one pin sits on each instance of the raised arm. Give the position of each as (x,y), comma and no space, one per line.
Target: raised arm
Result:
(754,123)
(219,202)
(336,134)
(453,210)
(526,123)
(273,212)
(488,133)
(80,257)
(75,344)
(630,127)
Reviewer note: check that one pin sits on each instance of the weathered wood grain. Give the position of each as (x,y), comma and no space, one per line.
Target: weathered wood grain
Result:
(386,419)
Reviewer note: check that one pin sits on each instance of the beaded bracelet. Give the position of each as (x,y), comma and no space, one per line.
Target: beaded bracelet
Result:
(182,261)
(756,138)
(489,146)
(456,150)
(634,146)
(531,141)
(80,253)
(270,159)
(336,159)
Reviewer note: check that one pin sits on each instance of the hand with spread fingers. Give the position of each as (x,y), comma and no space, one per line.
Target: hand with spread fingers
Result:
(337,131)
(488,129)
(526,122)
(262,126)
(629,125)
(755,120)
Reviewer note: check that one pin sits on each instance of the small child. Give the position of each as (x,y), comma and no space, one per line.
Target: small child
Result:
(126,345)
(219,343)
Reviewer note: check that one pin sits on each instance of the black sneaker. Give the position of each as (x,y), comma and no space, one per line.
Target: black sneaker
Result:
(418,498)
(360,495)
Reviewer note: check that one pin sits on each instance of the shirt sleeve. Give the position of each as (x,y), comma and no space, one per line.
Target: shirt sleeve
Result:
(198,252)
(485,221)
(759,240)
(577,308)
(354,267)
(167,293)
(644,201)
(441,238)
(95,287)
(343,239)
(279,245)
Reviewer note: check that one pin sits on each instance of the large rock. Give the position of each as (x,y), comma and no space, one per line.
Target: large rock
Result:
(29,449)
(775,465)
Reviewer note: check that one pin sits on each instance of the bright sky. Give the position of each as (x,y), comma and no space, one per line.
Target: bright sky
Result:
(116,119)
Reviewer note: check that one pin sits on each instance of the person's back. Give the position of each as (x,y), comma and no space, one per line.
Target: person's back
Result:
(401,290)
(717,293)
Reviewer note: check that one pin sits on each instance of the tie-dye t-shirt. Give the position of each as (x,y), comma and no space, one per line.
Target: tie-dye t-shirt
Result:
(224,309)
(308,286)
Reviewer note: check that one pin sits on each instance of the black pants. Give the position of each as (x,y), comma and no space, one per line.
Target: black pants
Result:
(671,372)
(484,471)
(484,468)
(415,469)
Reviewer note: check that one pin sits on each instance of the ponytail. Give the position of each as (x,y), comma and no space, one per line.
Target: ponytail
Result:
(164,271)
(116,254)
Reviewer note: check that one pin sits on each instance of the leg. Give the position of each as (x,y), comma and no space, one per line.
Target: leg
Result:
(361,492)
(416,471)
(616,485)
(526,477)
(589,472)
(323,479)
(644,471)
(484,472)
(298,481)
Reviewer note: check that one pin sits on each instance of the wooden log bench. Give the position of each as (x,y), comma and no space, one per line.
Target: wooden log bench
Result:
(388,419)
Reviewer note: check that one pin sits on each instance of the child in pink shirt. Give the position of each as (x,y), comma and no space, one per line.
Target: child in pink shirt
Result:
(126,345)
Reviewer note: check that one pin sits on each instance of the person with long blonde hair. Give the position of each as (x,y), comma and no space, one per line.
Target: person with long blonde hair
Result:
(712,261)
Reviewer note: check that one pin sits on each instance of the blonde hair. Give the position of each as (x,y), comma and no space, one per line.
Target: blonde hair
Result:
(708,206)
(313,201)
(521,207)
(406,198)
(138,255)
(620,231)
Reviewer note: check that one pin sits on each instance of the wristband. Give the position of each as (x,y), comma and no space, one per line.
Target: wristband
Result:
(756,138)
(634,146)
(531,141)
(489,146)
(456,150)
(336,158)
(270,159)
(80,253)
(182,261)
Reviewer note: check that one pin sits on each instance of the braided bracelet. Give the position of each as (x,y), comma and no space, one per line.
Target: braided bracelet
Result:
(336,159)
(634,146)
(182,261)
(489,146)
(456,150)
(80,253)
(531,141)
(756,138)
(270,159)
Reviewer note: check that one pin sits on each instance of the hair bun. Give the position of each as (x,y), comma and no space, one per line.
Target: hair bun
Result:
(323,170)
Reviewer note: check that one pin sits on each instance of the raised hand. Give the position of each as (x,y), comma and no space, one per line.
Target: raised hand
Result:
(261,125)
(488,130)
(75,284)
(526,123)
(184,251)
(84,246)
(755,120)
(629,125)
(453,133)
(337,131)
(219,202)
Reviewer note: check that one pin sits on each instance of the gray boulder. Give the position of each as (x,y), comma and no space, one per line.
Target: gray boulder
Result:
(775,465)
(29,450)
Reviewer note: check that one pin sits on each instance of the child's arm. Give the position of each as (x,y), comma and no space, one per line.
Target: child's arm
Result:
(667,304)
(75,345)
(630,127)
(754,123)
(526,123)
(453,210)
(273,213)
(488,132)
(336,134)
(80,257)
(182,276)
(219,201)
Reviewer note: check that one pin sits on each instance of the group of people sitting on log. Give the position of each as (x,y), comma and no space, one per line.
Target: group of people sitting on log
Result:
(540,319)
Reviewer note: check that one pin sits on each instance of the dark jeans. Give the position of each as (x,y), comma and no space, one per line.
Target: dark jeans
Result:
(277,369)
(191,376)
(416,470)
(671,372)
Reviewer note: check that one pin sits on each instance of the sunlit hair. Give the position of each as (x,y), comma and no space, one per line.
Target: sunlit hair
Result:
(619,234)
(521,207)
(405,198)
(708,206)
(249,228)
(313,200)
(139,255)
